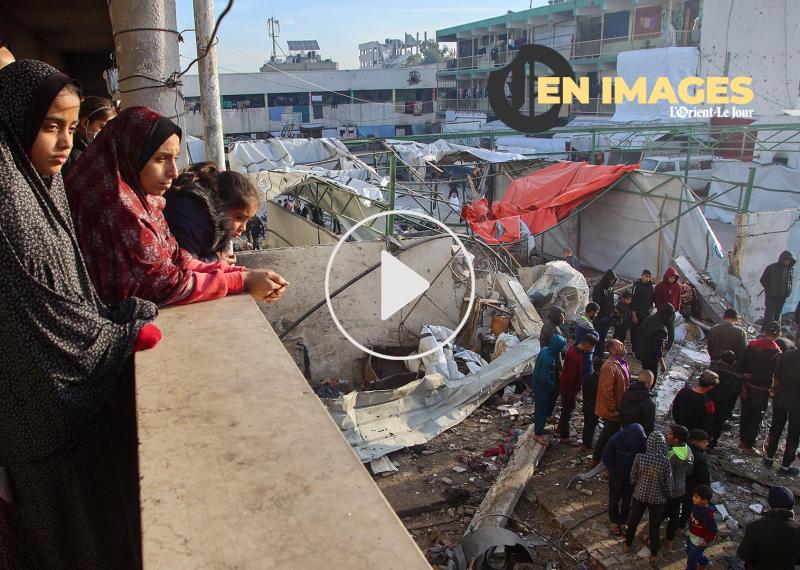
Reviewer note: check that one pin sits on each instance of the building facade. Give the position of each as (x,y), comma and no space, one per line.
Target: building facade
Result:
(754,39)
(340,103)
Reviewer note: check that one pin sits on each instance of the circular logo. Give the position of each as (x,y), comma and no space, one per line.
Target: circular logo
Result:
(367,220)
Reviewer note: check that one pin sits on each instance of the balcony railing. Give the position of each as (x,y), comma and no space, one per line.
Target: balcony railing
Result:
(574,50)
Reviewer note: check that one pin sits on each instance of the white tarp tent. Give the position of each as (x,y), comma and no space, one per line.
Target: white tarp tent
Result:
(553,149)
(783,184)
(638,205)
(256,156)
(445,152)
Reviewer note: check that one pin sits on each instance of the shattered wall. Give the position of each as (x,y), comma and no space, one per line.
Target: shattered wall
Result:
(358,308)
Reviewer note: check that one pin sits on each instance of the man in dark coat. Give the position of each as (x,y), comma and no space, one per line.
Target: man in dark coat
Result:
(777,281)
(727,335)
(255,230)
(773,541)
(641,304)
(618,457)
(726,393)
(603,295)
(785,405)
(758,366)
(656,336)
(692,408)
(638,406)
(551,328)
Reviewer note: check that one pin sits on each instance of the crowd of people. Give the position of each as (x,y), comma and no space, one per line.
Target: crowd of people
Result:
(667,475)
(88,259)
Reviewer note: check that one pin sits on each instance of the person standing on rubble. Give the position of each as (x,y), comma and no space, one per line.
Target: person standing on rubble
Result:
(699,475)
(785,395)
(623,315)
(615,378)
(773,541)
(555,318)
(638,406)
(618,458)
(668,291)
(656,335)
(653,485)
(641,304)
(572,378)
(758,366)
(725,394)
(682,461)
(590,419)
(777,281)
(692,406)
(603,295)
(727,335)
(585,322)
(543,382)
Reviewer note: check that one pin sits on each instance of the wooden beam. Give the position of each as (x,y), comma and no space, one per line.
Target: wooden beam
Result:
(503,496)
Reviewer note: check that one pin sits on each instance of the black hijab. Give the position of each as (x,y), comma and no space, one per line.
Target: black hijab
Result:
(62,348)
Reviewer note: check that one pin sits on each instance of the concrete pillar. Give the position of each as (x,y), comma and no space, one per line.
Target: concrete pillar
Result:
(209,83)
(143,50)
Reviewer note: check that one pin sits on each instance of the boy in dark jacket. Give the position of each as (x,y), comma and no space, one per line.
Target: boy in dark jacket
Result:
(785,405)
(681,459)
(777,281)
(638,405)
(703,528)
(700,473)
(603,295)
(618,457)
(653,484)
(641,304)
(623,315)
(758,366)
(773,541)
(572,380)
(726,393)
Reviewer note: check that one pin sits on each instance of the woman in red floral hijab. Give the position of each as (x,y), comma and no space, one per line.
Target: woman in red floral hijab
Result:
(115,192)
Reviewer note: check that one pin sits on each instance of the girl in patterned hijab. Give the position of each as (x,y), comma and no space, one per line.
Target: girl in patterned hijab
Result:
(116,195)
(63,349)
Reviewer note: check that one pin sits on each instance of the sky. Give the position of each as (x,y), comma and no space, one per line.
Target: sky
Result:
(339,26)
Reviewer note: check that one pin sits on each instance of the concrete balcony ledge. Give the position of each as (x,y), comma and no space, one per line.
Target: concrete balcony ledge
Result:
(240,464)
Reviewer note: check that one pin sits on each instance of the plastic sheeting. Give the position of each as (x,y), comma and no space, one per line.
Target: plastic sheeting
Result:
(380,422)
(558,283)
(774,176)
(636,207)
(674,63)
(196,148)
(540,200)
(256,156)
(444,152)
(555,149)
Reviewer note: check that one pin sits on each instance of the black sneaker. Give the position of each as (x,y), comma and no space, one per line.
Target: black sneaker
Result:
(789,471)
(767,462)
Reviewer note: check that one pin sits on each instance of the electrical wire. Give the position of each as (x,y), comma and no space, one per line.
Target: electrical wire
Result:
(211,40)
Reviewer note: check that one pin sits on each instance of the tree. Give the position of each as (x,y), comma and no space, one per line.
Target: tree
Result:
(429,51)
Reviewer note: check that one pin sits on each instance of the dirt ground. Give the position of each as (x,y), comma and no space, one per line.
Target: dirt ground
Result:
(439,485)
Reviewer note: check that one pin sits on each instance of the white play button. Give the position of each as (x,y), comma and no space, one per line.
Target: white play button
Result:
(399,285)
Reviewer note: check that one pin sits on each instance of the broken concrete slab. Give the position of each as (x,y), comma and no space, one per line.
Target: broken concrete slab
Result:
(524,317)
(711,302)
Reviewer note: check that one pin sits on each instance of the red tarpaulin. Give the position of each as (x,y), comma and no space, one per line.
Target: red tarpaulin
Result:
(541,199)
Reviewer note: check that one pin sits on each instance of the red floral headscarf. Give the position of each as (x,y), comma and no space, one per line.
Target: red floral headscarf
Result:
(122,233)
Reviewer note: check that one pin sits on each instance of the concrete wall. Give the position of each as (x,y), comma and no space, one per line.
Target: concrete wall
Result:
(26,44)
(358,308)
(241,465)
(286,229)
(761,237)
(763,39)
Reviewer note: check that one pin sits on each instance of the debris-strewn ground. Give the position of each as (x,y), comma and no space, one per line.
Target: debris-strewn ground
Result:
(439,486)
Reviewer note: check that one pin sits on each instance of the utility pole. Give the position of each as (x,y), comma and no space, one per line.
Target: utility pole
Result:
(274,31)
(209,83)
(146,44)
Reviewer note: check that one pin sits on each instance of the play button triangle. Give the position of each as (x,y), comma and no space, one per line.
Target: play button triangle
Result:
(399,285)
